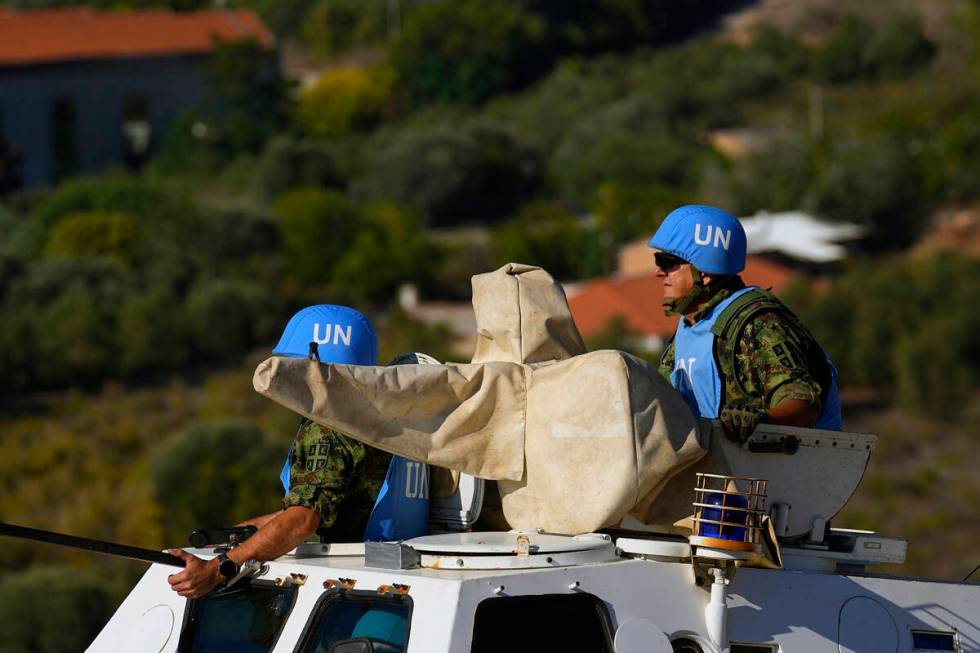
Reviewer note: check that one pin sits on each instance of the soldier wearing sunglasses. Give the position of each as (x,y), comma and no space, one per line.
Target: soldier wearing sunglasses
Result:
(738,353)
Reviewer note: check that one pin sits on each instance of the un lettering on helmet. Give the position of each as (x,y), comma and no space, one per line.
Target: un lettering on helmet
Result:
(723,239)
(339,334)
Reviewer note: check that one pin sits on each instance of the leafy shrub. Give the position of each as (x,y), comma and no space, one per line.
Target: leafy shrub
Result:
(549,236)
(225,318)
(113,193)
(906,327)
(345,99)
(467,50)
(216,472)
(841,57)
(873,183)
(774,179)
(53,610)
(624,212)
(391,249)
(334,26)
(75,338)
(290,163)
(317,227)
(898,49)
(626,142)
(856,51)
(153,340)
(931,375)
(93,234)
(237,243)
(449,173)
(62,321)
(951,160)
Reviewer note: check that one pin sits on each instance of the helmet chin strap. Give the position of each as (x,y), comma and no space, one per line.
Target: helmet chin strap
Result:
(678,305)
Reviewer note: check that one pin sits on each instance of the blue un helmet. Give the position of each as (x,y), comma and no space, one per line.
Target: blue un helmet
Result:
(710,239)
(341,334)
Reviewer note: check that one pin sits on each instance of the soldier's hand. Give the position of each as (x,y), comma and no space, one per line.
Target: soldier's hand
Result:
(740,419)
(198,578)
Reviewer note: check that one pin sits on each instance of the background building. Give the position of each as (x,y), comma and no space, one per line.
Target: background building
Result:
(81,90)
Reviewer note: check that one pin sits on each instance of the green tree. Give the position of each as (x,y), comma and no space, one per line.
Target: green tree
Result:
(216,472)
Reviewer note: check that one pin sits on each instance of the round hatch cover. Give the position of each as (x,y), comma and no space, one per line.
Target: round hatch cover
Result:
(511,550)
(866,627)
(503,543)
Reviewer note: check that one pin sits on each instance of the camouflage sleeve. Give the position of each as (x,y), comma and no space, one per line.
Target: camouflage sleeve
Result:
(667,360)
(324,470)
(772,363)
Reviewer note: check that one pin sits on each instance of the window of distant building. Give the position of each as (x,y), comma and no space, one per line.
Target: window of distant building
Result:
(64,138)
(136,130)
(10,160)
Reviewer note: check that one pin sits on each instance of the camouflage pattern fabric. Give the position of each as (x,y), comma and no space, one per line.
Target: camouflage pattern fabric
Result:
(338,478)
(769,359)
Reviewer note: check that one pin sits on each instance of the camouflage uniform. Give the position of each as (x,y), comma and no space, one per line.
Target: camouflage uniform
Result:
(769,364)
(337,477)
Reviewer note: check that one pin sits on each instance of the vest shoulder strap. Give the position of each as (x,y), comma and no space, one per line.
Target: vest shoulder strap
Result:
(763,300)
(732,321)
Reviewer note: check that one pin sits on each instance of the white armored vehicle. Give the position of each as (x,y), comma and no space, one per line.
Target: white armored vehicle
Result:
(621,522)
(624,591)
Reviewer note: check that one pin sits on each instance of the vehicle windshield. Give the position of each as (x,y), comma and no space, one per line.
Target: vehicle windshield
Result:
(244,619)
(384,620)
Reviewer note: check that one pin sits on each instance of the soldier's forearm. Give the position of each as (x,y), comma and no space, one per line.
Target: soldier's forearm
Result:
(793,412)
(280,535)
(260,521)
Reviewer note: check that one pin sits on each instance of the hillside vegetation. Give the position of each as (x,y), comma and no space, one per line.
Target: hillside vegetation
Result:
(135,304)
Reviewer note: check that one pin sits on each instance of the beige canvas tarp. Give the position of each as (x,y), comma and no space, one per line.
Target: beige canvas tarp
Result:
(574,440)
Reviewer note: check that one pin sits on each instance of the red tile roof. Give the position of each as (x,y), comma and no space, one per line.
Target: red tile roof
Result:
(637,299)
(54,35)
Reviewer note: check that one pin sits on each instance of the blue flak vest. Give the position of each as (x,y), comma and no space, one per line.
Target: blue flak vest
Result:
(401,510)
(696,376)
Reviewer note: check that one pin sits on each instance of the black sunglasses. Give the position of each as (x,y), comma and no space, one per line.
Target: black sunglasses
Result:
(667,261)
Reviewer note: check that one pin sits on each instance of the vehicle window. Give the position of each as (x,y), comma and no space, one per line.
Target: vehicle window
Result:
(345,614)
(246,618)
(550,622)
